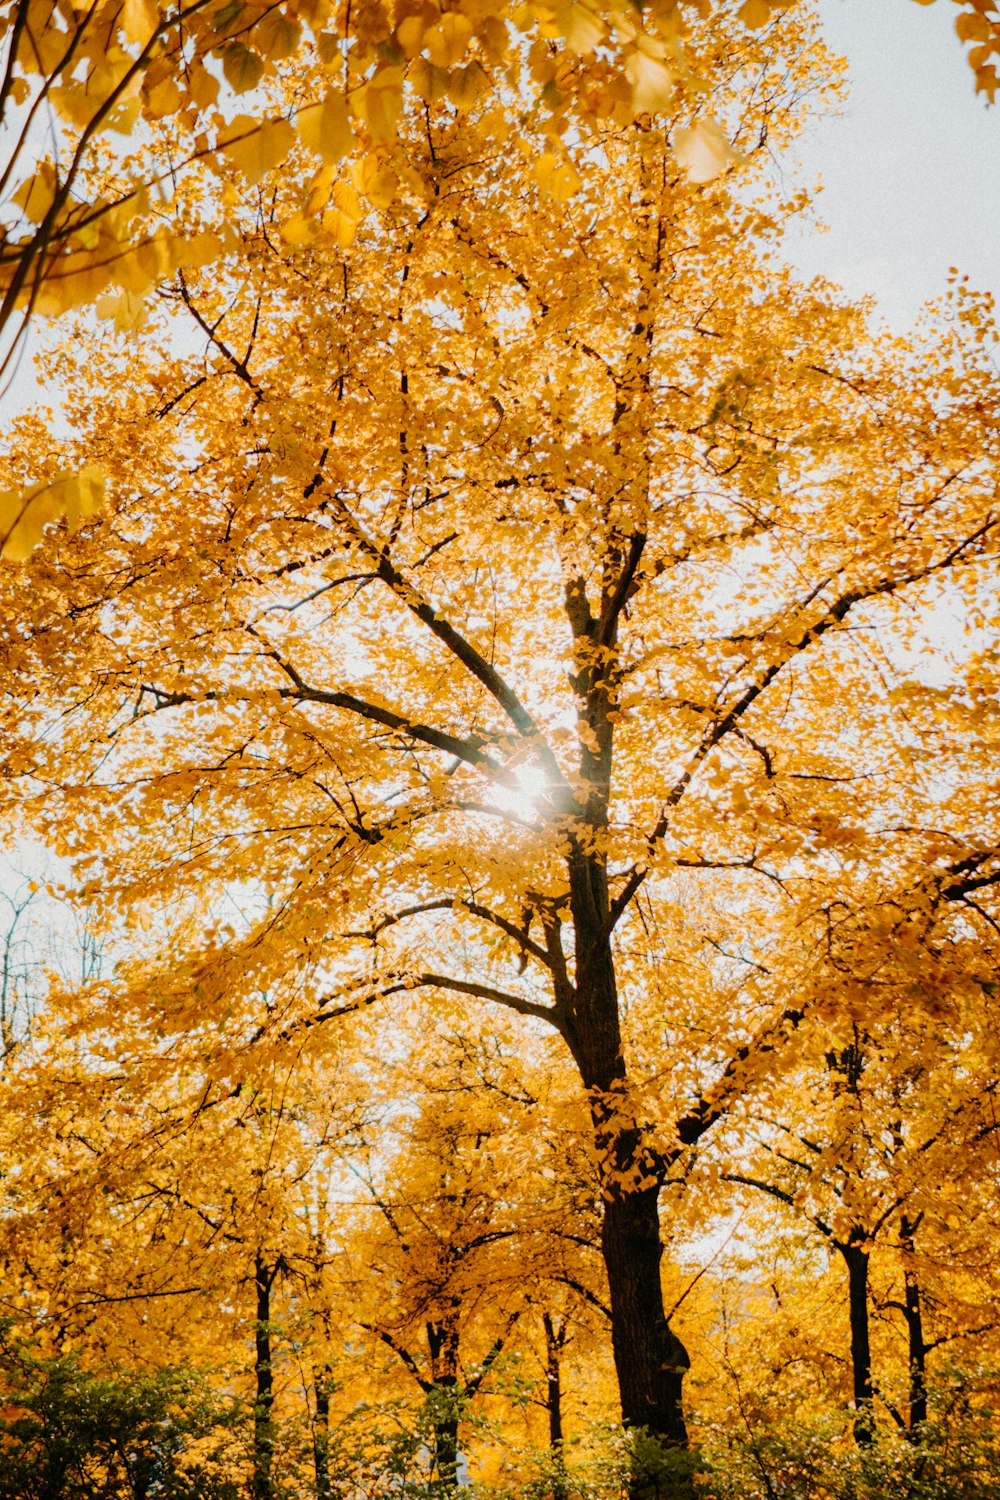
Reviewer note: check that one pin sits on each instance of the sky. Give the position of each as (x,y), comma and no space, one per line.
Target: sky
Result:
(911,170)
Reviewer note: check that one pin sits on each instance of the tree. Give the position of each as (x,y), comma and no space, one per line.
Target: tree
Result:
(460,1232)
(155,1204)
(501,583)
(68,1434)
(884,1136)
(866,1182)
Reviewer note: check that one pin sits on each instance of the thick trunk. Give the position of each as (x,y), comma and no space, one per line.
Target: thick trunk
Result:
(321,1434)
(917,1348)
(856,1260)
(446,1438)
(650,1359)
(263,1427)
(555,1338)
(443,1342)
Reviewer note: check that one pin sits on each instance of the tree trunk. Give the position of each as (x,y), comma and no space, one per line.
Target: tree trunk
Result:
(856,1260)
(555,1339)
(650,1359)
(442,1341)
(321,1433)
(263,1427)
(917,1348)
(446,1436)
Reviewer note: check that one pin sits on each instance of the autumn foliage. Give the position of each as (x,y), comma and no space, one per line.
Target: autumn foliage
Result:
(515,690)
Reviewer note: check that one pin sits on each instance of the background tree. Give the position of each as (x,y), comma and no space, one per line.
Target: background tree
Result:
(68,1434)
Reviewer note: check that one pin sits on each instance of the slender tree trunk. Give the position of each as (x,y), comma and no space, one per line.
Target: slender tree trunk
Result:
(263,1426)
(856,1260)
(555,1339)
(917,1348)
(321,1433)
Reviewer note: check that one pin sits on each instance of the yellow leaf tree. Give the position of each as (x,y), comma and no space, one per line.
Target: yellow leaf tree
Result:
(519,578)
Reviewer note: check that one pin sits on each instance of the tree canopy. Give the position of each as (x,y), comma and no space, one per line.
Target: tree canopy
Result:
(503,724)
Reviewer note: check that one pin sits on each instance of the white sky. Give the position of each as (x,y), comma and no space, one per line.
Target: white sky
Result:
(911,171)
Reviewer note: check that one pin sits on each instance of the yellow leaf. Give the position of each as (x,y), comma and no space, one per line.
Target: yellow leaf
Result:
(704,152)
(380,102)
(256,147)
(139,20)
(411,180)
(653,83)
(155,257)
(131,274)
(74,280)
(326,128)
(36,195)
(972,27)
(494,39)
(495,125)
(556,176)
(381,188)
(42,48)
(128,311)
(278,35)
(315,13)
(200,250)
(319,191)
(347,200)
(123,117)
(754,13)
(430,83)
(298,230)
(340,227)
(87,491)
(410,35)
(328,47)
(987,82)
(24,514)
(202,85)
(243,68)
(377,182)
(73,103)
(465,85)
(163,100)
(582,27)
(447,42)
